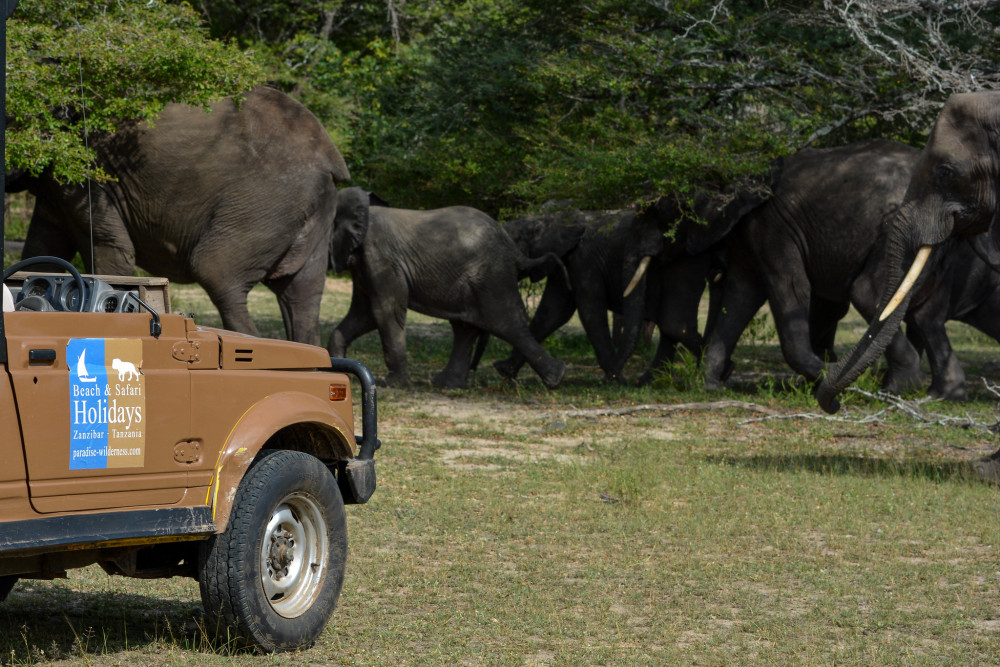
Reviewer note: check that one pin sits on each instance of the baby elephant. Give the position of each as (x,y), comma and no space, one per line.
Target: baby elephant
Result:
(455,263)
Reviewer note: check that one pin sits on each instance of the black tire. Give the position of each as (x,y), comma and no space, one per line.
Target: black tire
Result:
(6,584)
(256,593)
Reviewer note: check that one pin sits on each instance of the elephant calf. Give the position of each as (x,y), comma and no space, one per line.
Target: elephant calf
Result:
(455,263)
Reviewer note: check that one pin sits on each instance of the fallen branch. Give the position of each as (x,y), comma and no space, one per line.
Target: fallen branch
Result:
(912,408)
(673,407)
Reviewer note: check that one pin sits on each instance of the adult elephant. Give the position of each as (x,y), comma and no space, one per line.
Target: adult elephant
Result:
(618,261)
(243,194)
(806,251)
(454,263)
(953,191)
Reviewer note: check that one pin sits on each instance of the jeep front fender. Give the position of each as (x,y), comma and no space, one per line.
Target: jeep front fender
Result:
(288,420)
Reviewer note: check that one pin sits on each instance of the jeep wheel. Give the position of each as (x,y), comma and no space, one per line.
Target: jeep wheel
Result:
(273,577)
(6,584)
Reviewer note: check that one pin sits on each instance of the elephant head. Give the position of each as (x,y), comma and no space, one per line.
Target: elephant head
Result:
(558,230)
(953,192)
(350,225)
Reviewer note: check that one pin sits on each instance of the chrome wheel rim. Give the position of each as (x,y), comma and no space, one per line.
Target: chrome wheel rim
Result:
(294,555)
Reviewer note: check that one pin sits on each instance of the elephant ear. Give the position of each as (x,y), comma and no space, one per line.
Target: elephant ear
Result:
(559,233)
(715,216)
(375,200)
(350,226)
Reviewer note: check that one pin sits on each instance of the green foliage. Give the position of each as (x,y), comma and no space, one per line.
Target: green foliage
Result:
(271,21)
(75,68)
(503,104)
(683,375)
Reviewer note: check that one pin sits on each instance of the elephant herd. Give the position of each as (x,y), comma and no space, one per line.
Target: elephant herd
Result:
(248,194)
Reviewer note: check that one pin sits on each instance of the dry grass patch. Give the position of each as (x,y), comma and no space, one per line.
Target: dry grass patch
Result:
(507,531)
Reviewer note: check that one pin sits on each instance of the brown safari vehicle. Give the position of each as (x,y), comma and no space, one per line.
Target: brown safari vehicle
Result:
(137,440)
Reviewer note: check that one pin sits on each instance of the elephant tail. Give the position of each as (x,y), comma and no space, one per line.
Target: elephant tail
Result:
(338,166)
(539,267)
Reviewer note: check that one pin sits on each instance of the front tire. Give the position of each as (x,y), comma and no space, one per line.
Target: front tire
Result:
(272,579)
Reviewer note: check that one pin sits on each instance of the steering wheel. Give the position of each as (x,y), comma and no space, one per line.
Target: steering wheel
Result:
(84,305)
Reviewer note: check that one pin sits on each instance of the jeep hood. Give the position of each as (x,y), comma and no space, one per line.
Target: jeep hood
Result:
(242,352)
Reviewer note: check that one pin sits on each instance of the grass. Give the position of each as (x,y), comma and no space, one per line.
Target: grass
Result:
(513,527)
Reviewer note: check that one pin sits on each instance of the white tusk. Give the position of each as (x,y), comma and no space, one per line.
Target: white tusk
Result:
(639,272)
(908,280)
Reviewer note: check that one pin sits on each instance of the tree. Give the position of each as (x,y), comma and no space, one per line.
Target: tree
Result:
(79,68)
(507,103)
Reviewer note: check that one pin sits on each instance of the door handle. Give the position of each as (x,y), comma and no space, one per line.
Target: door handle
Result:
(41,356)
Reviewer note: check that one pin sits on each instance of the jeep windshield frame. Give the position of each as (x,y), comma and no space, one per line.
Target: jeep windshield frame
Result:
(8,7)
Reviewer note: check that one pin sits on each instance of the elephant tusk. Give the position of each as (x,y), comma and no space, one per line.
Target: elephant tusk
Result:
(908,280)
(639,272)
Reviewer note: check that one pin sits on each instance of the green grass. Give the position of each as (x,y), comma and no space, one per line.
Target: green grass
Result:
(507,531)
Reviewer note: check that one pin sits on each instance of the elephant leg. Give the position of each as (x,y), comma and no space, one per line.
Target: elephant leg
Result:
(512,327)
(299,297)
(456,373)
(677,316)
(902,358)
(789,293)
(903,373)
(555,308)
(358,321)
(46,238)
(390,319)
(594,318)
(985,318)
(666,349)
(229,294)
(947,374)
(232,307)
(824,316)
(742,295)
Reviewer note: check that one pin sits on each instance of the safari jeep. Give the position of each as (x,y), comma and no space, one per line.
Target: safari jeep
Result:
(140,441)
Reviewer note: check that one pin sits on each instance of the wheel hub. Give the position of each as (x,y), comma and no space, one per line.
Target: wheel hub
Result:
(294,555)
(281,554)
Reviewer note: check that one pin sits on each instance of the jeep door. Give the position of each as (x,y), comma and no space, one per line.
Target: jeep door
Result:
(103,406)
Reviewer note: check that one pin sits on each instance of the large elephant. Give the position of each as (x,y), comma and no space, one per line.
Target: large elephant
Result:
(954,190)
(806,251)
(454,263)
(617,261)
(243,194)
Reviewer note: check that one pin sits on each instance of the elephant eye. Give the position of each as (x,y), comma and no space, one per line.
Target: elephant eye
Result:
(944,174)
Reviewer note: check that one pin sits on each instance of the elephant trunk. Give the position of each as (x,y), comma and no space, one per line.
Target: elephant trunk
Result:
(875,339)
(639,273)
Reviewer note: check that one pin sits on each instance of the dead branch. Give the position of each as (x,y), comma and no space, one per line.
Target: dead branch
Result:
(912,408)
(675,407)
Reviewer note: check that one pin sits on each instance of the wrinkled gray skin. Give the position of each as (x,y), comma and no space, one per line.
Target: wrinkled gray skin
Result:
(601,251)
(805,252)
(953,191)
(963,287)
(454,263)
(227,199)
